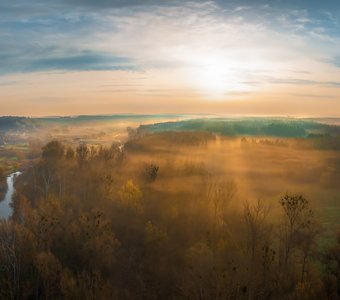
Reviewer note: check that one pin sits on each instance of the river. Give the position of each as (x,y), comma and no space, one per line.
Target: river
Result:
(5,208)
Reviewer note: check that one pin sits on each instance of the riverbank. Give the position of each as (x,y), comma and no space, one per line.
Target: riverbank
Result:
(3,188)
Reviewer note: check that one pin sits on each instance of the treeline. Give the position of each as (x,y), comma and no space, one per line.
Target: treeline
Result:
(139,140)
(86,225)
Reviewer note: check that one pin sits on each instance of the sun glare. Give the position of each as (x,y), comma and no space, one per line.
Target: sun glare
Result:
(215,75)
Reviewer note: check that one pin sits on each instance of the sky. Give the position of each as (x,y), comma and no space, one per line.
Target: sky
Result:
(237,57)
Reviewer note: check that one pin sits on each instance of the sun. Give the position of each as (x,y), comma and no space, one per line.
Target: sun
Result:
(213,75)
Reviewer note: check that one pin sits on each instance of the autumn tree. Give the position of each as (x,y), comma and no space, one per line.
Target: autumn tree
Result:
(70,154)
(82,153)
(53,151)
(331,264)
(130,196)
(150,172)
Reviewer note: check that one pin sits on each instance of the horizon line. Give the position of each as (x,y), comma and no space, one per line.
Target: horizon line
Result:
(177,114)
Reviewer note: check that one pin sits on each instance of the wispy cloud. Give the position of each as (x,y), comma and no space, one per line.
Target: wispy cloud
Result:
(41,60)
(334,61)
(261,80)
(81,62)
(9,83)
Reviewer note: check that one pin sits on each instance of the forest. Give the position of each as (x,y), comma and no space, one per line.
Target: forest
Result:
(175,215)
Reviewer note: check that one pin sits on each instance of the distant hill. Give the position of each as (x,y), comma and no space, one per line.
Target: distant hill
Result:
(17,123)
(106,118)
(24,123)
(296,128)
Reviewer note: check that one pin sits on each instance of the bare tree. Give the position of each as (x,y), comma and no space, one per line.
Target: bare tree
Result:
(258,234)
(297,217)
(220,194)
(255,218)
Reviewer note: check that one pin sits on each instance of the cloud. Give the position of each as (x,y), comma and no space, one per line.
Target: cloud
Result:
(9,83)
(314,96)
(81,62)
(294,81)
(334,61)
(333,83)
(299,81)
(31,8)
(120,3)
(261,80)
(71,61)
